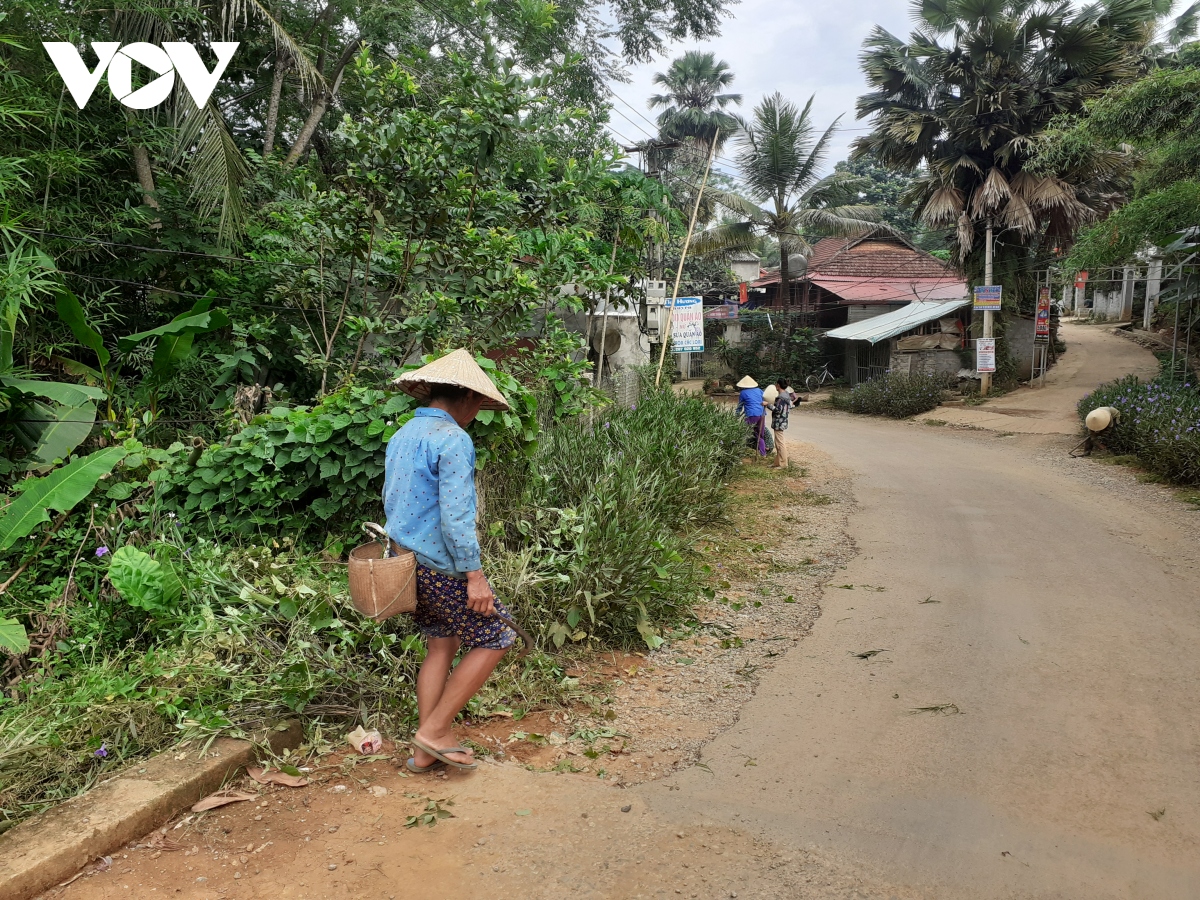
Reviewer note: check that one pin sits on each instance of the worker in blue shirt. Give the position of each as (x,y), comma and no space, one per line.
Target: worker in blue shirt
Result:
(429,499)
(750,405)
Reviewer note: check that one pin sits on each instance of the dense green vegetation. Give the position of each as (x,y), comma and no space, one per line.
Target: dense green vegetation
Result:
(895,396)
(201,315)
(149,624)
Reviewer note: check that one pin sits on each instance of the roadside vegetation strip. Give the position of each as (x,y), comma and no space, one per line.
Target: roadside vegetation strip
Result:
(216,634)
(1159,424)
(895,396)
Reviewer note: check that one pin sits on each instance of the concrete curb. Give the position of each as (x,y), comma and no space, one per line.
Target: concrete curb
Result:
(48,849)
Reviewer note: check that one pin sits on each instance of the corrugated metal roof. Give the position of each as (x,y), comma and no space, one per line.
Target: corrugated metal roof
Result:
(880,328)
(884,289)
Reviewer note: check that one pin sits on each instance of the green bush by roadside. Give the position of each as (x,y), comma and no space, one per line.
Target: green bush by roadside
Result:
(895,396)
(1159,424)
(594,544)
(149,625)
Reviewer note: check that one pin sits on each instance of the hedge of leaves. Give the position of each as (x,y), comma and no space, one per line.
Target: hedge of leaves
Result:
(895,396)
(1159,423)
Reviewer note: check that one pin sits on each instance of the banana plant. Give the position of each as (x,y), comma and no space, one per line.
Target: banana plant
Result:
(174,341)
(46,430)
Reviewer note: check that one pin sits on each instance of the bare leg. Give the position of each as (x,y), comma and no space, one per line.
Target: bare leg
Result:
(467,678)
(431,680)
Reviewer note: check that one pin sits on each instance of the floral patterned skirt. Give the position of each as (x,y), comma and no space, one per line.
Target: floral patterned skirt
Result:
(442,612)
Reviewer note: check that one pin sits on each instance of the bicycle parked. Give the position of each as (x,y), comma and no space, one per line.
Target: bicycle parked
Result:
(815,381)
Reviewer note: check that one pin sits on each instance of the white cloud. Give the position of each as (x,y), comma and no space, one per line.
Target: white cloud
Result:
(798,49)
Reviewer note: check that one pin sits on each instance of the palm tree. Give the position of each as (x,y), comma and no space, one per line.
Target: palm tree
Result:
(964,101)
(694,107)
(780,164)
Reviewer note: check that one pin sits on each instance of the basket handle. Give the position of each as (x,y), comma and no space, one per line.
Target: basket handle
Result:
(372,529)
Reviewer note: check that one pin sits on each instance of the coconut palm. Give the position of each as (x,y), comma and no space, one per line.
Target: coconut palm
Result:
(780,161)
(693,106)
(964,101)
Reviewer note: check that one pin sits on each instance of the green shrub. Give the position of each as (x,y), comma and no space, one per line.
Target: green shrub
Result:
(595,543)
(293,470)
(1159,423)
(153,630)
(896,396)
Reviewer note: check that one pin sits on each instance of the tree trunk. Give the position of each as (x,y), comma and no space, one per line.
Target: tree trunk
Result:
(785,284)
(145,174)
(320,105)
(281,68)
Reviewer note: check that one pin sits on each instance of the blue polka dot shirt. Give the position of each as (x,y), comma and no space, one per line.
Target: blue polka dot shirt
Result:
(429,492)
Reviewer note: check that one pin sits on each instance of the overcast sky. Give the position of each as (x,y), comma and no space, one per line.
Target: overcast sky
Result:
(798,49)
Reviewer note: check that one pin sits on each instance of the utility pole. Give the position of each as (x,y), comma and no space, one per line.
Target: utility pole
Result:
(985,378)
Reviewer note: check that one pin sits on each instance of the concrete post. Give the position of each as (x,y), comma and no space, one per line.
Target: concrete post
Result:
(1153,287)
(1080,309)
(1129,277)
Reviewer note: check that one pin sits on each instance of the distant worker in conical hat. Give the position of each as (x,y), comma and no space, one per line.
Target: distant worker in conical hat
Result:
(781,408)
(750,405)
(429,499)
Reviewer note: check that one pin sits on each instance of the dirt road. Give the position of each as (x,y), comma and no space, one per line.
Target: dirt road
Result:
(1030,726)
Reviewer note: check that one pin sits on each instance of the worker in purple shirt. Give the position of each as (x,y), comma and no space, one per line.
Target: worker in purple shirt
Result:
(429,499)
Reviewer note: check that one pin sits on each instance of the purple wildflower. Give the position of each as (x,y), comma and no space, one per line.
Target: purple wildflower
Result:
(103,751)
(100,551)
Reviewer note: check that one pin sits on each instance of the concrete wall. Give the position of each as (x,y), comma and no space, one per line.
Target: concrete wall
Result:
(1019,332)
(927,362)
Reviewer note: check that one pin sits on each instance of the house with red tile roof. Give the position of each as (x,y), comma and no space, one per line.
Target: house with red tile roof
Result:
(846,280)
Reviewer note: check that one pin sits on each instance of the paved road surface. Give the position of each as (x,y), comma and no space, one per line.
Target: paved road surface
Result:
(1094,355)
(1063,623)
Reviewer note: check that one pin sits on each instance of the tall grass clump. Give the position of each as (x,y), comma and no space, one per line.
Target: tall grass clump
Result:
(1159,424)
(596,546)
(896,396)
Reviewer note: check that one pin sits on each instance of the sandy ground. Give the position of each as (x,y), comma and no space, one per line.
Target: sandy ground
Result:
(1029,727)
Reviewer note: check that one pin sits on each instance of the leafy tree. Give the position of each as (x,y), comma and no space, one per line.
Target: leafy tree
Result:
(693,107)
(886,190)
(780,164)
(961,104)
(1150,129)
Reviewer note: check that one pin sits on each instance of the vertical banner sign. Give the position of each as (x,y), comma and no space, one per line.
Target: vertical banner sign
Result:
(743,292)
(985,355)
(687,327)
(987,297)
(1041,324)
(1081,280)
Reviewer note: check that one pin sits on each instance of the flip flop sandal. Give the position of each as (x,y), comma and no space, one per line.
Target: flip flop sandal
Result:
(440,755)
(411,765)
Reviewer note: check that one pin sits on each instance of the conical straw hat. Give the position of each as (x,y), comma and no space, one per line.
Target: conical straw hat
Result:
(770,394)
(458,368)
(747,382)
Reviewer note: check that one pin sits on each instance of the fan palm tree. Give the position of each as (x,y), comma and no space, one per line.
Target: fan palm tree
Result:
(780,165)
(964,101)
(693,106)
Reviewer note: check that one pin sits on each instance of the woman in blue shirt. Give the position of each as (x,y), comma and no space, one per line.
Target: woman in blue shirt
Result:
(750,405)
(429,499)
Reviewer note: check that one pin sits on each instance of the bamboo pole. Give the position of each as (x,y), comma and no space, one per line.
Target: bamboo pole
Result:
(666,338)
(598,376)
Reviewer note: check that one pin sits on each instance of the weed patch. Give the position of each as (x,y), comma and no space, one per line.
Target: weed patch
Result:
(894,396)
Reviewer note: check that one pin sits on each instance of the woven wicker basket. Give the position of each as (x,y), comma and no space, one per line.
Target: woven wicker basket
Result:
(381,588)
